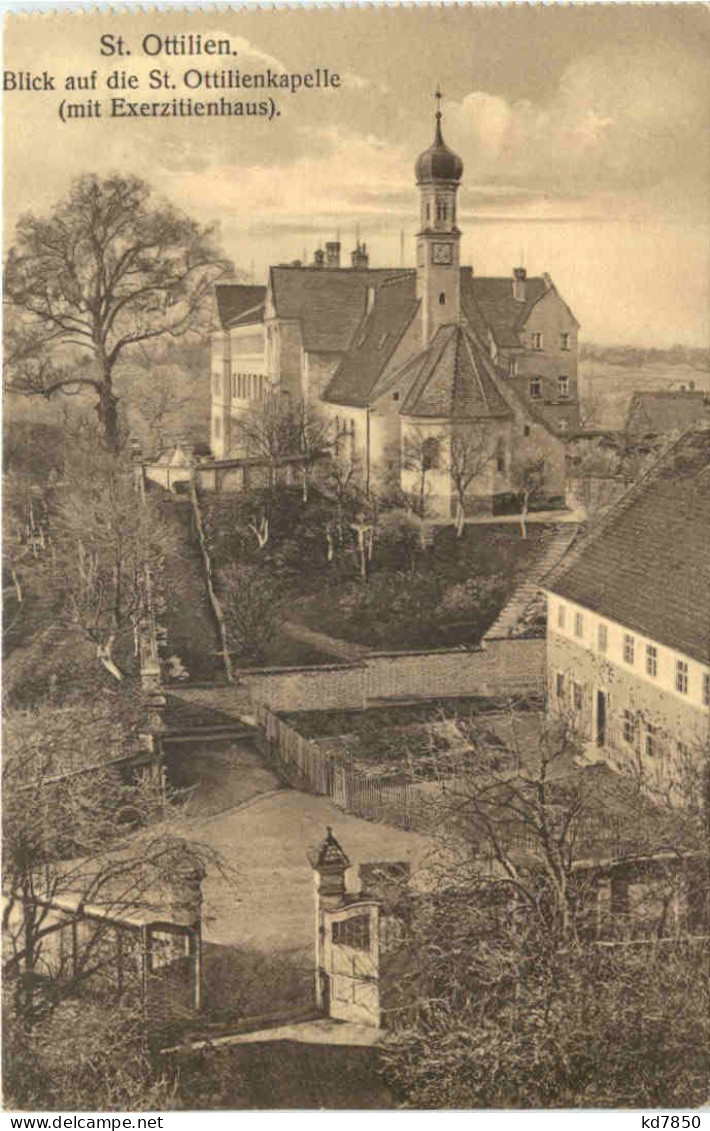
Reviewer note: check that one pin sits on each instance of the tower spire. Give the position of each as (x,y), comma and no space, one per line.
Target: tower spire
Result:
(439,99)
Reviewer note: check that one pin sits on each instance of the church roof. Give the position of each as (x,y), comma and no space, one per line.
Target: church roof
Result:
(329,303)
(455,379)
(234,300)
(375,341)
(647,564)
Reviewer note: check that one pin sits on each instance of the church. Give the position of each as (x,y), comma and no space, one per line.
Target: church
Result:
(423,371)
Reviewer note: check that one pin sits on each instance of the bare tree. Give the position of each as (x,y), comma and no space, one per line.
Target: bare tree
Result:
(75,830)
(527,476)
(104,272)
(111,546)
(252,606)
(470,453)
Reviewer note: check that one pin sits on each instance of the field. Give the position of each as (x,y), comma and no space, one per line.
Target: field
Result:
(609,387)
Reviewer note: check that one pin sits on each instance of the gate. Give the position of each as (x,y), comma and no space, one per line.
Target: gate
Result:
(351,963)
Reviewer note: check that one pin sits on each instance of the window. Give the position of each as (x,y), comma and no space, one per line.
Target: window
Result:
(561,616)
(651,743)
(526,430)
(536,340)
(442,299)
(602,637)
(512,366)
(500,456)
(651,660)
(441,209)
(629,648)
(430,454)
(629,727)
(563,386)
(577,696)
(578,624)
(706,688)
(564,341)
(428,211)
(535,388)
(560,685)
(681,677)
(353,932)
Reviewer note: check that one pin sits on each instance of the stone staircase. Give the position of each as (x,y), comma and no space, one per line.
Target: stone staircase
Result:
(522,607)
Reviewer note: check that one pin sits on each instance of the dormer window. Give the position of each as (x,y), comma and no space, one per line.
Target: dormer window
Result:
(535,388)
(536,340)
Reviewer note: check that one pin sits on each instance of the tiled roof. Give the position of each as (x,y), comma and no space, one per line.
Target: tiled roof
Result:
(653,413)
(490,302)
(236,299)
(329,304)
(331,852)
(456,380)
(647,564)
(375,341)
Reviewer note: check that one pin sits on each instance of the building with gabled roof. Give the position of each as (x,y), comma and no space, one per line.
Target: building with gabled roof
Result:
(396,357)
(660,412)
(628,643)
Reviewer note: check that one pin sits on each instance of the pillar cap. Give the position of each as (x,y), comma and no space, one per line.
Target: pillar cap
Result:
(330,854)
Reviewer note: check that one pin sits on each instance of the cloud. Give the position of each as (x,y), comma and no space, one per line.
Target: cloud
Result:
(622,119)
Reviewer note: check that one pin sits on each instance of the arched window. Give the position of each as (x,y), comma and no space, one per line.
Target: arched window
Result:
(430,454)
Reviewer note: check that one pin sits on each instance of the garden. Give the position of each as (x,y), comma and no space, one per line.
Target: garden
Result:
(369,575)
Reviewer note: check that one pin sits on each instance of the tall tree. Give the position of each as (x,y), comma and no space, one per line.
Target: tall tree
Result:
(470,453)
(107,269)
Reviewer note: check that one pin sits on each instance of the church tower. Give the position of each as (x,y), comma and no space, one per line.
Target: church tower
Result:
(438,171)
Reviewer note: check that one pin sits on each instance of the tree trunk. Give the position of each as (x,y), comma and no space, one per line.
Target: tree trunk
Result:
(104,653)
(107,410)
(18,586)
(459,519)
(524,515)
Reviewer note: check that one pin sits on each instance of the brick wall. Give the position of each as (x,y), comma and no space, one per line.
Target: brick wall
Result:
(306,689)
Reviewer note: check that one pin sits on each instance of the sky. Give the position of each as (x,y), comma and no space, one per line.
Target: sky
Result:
(584,131)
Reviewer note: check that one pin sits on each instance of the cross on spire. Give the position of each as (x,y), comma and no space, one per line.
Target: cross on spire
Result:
(439,99)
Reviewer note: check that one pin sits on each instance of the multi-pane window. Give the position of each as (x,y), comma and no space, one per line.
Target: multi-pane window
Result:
(602,637)
(706,688)
(564,341)
(651,660)
(577,696)
(560,685)
(535,388)
(536,340)
(563,386)
(629,648)
(651,745)
(681,677)
(561,612)
(578,624)
(629,725)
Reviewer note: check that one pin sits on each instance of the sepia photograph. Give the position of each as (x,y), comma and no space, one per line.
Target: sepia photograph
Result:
(356,560)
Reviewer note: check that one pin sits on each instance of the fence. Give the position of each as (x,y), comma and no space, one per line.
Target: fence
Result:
(376,798)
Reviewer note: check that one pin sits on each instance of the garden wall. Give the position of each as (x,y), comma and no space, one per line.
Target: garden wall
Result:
(506,667)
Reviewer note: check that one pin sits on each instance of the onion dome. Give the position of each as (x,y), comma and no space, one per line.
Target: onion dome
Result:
(438,162)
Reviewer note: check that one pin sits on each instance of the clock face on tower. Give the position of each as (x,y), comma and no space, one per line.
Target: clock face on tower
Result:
(441,253)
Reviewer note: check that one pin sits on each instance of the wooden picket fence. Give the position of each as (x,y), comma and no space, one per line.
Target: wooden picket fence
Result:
(393,800)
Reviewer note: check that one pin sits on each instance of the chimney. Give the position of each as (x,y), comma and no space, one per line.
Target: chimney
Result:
(319,258)
(360,257)
(519,277)
(332,253)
